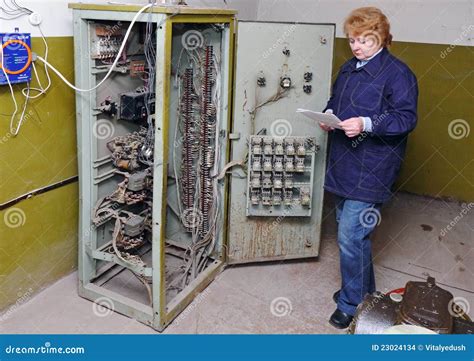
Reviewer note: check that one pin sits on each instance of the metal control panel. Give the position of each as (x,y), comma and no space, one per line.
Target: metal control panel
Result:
(280,177)
(276,199)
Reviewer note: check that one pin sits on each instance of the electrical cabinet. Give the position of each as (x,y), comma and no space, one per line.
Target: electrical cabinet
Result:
(191,154)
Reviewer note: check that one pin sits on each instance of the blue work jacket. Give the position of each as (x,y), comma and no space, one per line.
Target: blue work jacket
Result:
(365,167)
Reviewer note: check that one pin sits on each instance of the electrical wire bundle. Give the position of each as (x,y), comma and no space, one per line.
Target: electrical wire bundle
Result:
(146,153)
(18,11)
(10,10)
(13,11)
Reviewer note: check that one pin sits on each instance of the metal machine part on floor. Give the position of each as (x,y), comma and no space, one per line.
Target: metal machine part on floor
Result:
(422,304)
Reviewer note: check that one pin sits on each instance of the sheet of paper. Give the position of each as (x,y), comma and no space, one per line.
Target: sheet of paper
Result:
(325,118)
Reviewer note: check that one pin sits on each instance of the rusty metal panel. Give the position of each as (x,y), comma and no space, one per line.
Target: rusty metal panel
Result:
(279,67)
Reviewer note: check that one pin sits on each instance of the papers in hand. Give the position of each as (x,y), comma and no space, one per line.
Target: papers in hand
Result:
(325,118)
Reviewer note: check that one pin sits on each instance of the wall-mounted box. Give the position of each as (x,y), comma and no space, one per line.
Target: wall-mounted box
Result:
(17,58)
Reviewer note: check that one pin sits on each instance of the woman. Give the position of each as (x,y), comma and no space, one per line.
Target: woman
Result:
(375,94)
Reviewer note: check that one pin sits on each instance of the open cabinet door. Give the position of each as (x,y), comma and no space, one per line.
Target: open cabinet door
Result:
(276,202)
(198,60)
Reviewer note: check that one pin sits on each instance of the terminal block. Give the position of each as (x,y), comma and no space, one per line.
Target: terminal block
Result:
(280,180)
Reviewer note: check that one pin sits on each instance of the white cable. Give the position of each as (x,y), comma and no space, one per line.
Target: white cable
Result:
(40,90)
(26,91)
(119,53)
(20,122)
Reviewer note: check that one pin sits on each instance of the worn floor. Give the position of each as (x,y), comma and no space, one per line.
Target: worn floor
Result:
(412,241)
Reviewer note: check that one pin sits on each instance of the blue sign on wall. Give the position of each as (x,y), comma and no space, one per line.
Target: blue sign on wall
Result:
(16,57)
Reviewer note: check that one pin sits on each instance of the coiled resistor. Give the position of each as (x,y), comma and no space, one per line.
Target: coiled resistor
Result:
(188,179)
(207,129)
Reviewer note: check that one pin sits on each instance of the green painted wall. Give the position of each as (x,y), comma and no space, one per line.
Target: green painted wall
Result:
(38,236)
(436,163)
(43,247)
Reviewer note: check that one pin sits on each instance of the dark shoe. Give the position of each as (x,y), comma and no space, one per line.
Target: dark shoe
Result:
(340,319)
(335,296)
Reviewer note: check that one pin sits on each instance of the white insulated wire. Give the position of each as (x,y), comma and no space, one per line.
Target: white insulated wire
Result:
(119,53)
(40,90)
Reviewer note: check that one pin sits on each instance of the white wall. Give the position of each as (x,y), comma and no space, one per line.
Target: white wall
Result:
(57,18)
(433,21)
(422,21)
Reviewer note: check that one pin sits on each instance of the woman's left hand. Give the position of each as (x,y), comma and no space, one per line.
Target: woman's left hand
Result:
(352,126)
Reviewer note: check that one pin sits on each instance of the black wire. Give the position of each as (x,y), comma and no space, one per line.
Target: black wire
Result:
(14,12)
(6,4)
(22,7)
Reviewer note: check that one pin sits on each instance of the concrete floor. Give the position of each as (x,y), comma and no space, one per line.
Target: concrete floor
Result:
(408,245)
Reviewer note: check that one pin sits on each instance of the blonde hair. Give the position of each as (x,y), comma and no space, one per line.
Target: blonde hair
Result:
(369,20)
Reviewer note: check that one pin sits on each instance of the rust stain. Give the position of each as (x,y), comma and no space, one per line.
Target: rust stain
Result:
(259,238)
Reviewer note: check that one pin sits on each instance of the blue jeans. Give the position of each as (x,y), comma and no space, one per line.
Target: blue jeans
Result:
(356,220)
